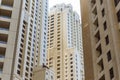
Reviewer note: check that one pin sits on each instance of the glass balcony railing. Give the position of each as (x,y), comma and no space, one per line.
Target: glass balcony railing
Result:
(5,29)
(1,71)
(7,6)
(4,17)
(2,56)
(3,42)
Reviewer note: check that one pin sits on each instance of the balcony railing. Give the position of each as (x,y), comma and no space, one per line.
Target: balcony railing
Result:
(1,71)
(3,42)
(4,17)
(2,56)
(5,29)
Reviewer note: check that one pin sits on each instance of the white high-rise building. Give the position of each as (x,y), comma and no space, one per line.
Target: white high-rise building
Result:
(64,43)
(23,29)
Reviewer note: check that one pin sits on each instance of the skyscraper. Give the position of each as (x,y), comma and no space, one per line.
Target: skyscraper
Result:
(23,27)
(101,39)
(64,43)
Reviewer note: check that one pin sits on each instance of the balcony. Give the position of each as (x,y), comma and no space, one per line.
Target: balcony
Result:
(2,54)
(5,14)
(6,7)
(4,26)
(7,3)
(3,38)
(1,67)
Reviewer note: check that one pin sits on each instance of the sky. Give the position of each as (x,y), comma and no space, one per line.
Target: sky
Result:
(74,3)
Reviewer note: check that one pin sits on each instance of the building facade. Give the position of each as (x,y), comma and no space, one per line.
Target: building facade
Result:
(23,29)
(43,73)
(64,34)
(101,40)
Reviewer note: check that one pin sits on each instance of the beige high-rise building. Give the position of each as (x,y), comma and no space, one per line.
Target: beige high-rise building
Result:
(43,73)
(101,39)
(23,29)
(64,43)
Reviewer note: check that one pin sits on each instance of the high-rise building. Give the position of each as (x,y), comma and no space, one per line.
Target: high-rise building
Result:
(64,43)
(101,39)
(23,29)
(43,73)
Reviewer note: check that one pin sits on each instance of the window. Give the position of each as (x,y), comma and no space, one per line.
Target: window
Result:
(97,36)
(71,70)
(118,15)
(116,2)
(58,68)
(58,76)
(109,56)
(96,23)
(105,25)
(101,66)
(103,12)
(107,40)
(102,78)
(18,72)
(99,50)
(111,73)
(93,2)
(71,74)
(101,1)
(58,64)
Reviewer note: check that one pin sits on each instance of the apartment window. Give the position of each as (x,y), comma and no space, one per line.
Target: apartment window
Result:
(102,78)
(58,57)
(103,12)
(93,2)
(58,64)
(26,74)
(101,66)
(58,72)
(71,70)
(97,36)
(116,2)
(18,72)
(58,76)
(107,40)
(71,66)
(20,55)
(19,60)
(96,23)
(27,69)
(58,48)
(71,62)
(101,1)
(111,73)
(118,15)
(105,25)
(99,50)
(109,56)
